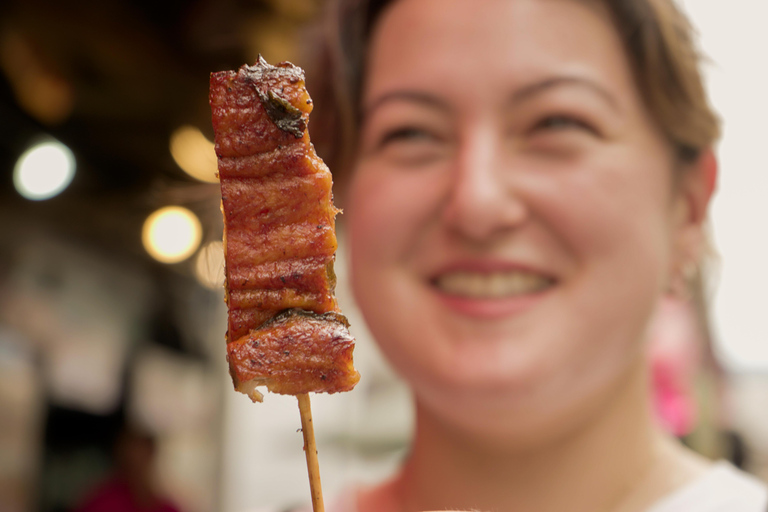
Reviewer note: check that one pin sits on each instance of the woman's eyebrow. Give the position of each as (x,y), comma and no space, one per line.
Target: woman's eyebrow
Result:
(407,95)
(526,92)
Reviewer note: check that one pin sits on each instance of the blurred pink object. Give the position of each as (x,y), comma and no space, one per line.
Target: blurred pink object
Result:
(116,495)
(131,487)
(675,353)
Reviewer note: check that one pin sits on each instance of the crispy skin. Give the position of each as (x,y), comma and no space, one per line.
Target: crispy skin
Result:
(293,352)
(276,199)
(284,327)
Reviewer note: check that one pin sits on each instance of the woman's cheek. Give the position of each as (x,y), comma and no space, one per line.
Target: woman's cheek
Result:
(372,225)
(609,205)
(388,213)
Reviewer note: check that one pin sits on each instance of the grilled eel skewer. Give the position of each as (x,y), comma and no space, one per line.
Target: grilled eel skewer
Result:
(285,329)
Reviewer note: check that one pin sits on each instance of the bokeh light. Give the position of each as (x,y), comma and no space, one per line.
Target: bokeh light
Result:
(171,234)
(44,170)
(209,266)
(194,153)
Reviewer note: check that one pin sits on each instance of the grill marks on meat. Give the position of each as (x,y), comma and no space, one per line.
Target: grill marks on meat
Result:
(293,351)
(279,237)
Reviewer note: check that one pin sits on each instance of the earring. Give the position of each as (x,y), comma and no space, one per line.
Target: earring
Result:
(682,279)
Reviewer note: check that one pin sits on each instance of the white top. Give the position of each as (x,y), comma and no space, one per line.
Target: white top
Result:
(723,488)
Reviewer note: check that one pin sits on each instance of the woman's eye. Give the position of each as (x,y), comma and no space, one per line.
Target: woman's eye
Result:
(409,146)
(561,136)
(406,134)
(563,123)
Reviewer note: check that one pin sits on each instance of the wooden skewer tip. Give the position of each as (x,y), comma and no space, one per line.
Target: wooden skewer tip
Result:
(310,450)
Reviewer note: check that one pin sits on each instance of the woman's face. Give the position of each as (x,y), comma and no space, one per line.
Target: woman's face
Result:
(512,214)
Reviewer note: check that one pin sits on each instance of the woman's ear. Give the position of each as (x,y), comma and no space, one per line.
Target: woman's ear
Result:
(699,183)
(694,193)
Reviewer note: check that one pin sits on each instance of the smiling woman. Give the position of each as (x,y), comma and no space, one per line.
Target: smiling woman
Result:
(527,178)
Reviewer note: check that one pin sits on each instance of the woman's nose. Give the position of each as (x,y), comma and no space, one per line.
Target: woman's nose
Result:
(483,200)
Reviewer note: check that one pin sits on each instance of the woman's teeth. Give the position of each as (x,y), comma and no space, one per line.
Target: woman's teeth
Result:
(492,284)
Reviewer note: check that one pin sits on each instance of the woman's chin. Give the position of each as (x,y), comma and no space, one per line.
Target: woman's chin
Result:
(484,383)
(491,418)
(503,360)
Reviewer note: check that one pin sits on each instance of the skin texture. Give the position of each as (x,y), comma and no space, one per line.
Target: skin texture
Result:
(510,135)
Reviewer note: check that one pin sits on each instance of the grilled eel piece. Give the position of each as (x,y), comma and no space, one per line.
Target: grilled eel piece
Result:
(285,329)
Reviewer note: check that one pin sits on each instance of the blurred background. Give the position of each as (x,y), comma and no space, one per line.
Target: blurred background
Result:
(106,321)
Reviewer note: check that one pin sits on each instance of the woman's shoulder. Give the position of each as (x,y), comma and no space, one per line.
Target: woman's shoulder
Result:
(723,488)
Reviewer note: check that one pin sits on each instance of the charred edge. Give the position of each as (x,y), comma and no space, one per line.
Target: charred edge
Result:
(285,116)
(288,314)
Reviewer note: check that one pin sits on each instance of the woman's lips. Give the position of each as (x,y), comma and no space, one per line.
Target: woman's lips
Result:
(490,292)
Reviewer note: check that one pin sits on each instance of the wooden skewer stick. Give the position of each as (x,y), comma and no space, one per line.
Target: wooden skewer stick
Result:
(310,448)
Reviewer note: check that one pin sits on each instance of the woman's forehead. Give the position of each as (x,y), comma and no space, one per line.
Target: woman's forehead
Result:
(436,43)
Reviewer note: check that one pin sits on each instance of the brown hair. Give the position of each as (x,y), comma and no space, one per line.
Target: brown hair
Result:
(657,36)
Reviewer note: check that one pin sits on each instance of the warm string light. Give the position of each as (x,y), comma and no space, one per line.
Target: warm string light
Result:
(171,234)
(194,153)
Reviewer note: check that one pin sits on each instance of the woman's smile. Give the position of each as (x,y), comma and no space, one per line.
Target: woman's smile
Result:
(491,285)
(489,289)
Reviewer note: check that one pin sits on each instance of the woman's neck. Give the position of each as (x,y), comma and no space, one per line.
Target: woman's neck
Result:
(617,461)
